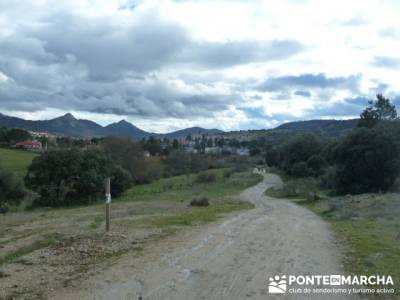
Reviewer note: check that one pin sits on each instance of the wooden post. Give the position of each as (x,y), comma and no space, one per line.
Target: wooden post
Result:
(108,203)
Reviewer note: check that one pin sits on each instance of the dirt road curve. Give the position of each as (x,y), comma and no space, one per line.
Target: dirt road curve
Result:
(229,260)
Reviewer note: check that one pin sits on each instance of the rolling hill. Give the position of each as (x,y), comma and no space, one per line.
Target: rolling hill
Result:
(68,125)
(325,128)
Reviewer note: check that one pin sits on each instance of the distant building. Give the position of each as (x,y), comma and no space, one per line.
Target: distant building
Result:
(30,145)
(191,150)
(243,151)
(212,150)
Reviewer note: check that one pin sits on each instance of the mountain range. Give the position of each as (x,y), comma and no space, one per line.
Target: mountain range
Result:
(68,125)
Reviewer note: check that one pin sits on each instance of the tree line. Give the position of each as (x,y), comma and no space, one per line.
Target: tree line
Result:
(366,160)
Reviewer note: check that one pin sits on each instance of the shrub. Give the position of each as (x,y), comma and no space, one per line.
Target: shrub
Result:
(299,187)
(228,173)
(200,201)
(240,167)
(12,190)
(147,170)
(121,180)
(206,177)
(328,179)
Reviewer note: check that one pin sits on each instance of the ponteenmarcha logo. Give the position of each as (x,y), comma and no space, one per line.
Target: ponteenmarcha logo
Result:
(324,284)
(277,285)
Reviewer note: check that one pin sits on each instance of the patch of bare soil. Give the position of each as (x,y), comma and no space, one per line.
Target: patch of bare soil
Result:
(229,259)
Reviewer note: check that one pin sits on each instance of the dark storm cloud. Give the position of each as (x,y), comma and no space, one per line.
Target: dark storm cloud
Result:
(109,50)
(386,62)
(320,81)
(380,88)
(99,64)
(216,55)
(306,94)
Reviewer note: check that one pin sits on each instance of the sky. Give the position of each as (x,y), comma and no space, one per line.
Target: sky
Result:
(168,65)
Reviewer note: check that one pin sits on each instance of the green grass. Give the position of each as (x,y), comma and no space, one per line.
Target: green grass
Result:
(369,228)
(198,214)
(16,161)
(46,241)
(298,189)
(182,189)
(97,220)
(185,187)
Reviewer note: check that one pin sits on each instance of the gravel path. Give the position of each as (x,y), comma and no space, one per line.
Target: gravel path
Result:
(232,259)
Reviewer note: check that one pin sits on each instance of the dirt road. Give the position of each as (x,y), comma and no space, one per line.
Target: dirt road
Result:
(232,259)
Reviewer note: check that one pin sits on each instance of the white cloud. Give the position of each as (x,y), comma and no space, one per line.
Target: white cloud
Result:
(167,64)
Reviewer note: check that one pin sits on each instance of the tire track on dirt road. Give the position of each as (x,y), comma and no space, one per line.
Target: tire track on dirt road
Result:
(232,259)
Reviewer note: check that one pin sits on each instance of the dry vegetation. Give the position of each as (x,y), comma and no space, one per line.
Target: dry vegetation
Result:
(45,249)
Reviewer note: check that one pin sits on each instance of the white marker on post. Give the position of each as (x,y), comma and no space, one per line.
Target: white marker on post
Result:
(108,203)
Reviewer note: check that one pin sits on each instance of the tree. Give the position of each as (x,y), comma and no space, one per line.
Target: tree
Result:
(272,157)
(367,161)
(299,149)
(121,180)
(178,162)
(210,142)
(379,110)
(317,164)
(153,146)
(300,169)
(68,177)
(15,135)
(124,152)
(175,144)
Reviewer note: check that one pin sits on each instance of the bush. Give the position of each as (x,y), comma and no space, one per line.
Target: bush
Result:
(240,167)
(121,180)
(200,201)
(328,179)
(147,170)
(228,173)
(301,170)
(299,187)
(12,190)
(206,177)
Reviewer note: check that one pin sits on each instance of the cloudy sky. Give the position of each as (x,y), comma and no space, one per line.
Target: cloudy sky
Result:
(166,65)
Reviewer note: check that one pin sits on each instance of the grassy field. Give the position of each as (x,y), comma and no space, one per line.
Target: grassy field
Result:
(62,245)
(15,160)
(367,225)
(185,187)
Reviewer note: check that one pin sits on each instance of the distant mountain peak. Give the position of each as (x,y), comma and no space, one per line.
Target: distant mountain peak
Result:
(71,126)
(68,116)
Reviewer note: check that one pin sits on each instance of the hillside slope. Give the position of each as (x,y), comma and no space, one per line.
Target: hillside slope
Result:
(70,126)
